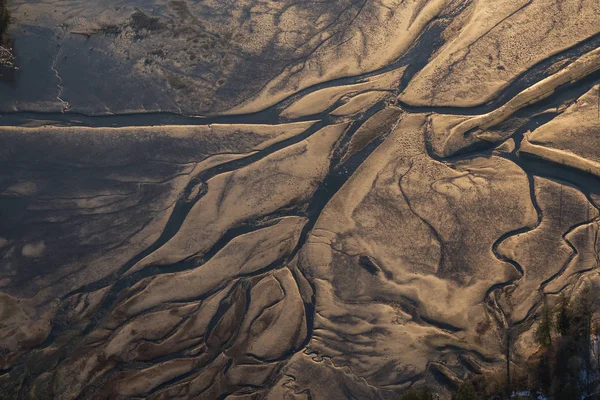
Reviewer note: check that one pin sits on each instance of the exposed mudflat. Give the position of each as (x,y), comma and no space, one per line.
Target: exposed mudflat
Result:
(290,200)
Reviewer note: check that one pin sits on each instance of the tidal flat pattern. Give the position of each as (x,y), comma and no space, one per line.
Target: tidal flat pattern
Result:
(346,199)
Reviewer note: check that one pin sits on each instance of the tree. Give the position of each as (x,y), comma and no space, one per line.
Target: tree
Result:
(543,333)
(562,319)
(466,391)
(508,344)
(417,394)
(581,330)
(572,370)
(596,344)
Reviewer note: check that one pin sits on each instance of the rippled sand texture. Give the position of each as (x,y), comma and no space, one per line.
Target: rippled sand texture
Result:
(291,200)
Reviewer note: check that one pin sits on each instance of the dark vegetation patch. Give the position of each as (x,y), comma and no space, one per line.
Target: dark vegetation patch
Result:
(181,9)
(141,22)
(417,394)
(158,53)
(368,265)
(111,29)
(565,367)
(176,82)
